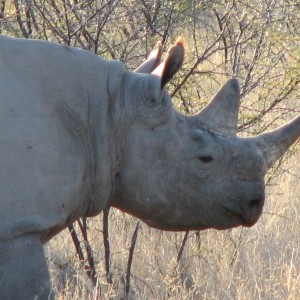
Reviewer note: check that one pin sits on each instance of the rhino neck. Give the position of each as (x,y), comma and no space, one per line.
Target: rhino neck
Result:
(121,117)
(107,124)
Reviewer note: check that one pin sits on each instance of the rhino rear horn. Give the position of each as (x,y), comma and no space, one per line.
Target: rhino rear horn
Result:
(167,69)
(221,114)
(152,62)
(275,143)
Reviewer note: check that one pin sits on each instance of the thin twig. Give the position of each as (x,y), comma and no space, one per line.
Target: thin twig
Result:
(19,19)
(80,254)
(237,248)
(2,9)
(91,267)
(28,16)
(179,255)
(130,257)
(106,245)
(76,242)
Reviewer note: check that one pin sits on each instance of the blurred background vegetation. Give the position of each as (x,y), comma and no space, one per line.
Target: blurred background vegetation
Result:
(255,41)
(258,42)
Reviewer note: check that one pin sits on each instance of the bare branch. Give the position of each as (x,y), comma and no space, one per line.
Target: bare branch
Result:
(130,257)
(290,87)
(179,255)
(91,268)
(19,19)
(106,245)
(76,242)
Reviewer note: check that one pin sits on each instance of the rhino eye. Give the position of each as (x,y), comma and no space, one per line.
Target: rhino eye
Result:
(205,158)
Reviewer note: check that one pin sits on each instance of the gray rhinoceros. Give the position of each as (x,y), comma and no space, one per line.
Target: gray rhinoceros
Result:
(79,133)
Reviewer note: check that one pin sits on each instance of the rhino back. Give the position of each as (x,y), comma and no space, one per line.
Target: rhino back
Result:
(49,135)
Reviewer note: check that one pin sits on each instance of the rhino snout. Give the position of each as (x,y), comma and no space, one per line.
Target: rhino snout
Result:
(252,211)
(252,206)
(247,205)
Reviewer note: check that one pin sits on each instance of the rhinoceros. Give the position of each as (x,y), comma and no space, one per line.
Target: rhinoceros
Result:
(79,133)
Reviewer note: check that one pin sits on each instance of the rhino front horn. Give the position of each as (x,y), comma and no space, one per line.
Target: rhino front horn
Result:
(221,114)
(275,143)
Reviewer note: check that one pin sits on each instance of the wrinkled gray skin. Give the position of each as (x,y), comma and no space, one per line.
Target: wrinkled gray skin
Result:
(78,133)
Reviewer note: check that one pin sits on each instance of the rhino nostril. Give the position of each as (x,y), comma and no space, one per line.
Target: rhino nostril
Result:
(255,203)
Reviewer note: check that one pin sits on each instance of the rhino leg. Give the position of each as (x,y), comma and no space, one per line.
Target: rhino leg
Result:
(23,269)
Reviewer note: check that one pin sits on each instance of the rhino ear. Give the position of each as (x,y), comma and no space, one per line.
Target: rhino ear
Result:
(221,114)
(152,61)
(167,69)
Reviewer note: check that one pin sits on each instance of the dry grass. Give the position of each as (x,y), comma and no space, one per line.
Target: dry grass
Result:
(262,262)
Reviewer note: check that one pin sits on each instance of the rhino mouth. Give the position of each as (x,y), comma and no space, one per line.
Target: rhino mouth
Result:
(248,222)
(248,218)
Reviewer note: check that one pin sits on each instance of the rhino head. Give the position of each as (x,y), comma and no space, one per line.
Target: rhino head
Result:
(190,173)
